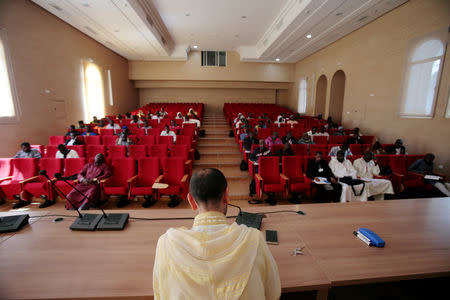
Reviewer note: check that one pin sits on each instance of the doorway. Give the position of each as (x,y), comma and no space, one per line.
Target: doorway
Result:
(321,95)
(337,96)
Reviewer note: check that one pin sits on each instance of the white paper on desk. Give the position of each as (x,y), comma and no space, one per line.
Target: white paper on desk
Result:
(367,179)
(322,180)
(432,177)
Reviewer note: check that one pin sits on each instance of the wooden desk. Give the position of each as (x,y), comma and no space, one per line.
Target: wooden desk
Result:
(47,260)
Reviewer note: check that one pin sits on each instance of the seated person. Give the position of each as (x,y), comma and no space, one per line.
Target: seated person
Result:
(280,120)
(243,134)
(367,167)
(318,168)
(250,116)
(322,132)
(397,148)
(175,127)
(81,125)
(27,152)
(344,147)
(136,120)
(249,141)
(329,124)
(101,124)
(240,122)
(63,152)
(157,116)
(306,139)
(376,149)
(128,115)
(286,151)
(215,249)
(291,120)
(192,113)
(72,130)
(356,136)
(187,120)
(123,139)
(112,125)
(238,117)
(146,126)
(88,131)
(89,179)
(163,112)
(179,116)
(262,150)
(313,131)
(168,132)
(289,139)
(95,120)
(119,119)
(73,141)
(273,140)
(260,125)
(425,167)
(341,132)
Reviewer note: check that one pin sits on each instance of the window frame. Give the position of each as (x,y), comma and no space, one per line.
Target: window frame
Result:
(88,113)
(413,45)
(204,58)
(12,84)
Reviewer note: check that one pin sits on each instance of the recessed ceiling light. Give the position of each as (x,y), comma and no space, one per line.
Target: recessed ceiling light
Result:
(277,59)
(195,46)
(236,35)
(308,36)
(243,17)
(86,5)
(187,14)
(339,14)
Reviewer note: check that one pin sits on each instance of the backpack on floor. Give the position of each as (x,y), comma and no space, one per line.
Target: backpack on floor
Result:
(201,133)
(231,134)
(196,155)
(243,166)
(252,187)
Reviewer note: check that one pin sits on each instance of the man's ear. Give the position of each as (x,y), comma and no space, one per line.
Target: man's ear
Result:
(192,202)
(225,198)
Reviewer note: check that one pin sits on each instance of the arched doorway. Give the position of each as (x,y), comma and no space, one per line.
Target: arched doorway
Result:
(321,95)
(337,96)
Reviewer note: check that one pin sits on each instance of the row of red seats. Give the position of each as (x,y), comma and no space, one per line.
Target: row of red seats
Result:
(172,108)
(187,129)
(21,174)
(231,110)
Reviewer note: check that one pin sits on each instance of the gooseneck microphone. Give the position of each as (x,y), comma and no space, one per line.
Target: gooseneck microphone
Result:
(240,211)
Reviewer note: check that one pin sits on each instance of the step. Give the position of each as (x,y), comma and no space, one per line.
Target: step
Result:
(216,141)
(238,187)
(215,135)
(222,155)
(215,148)
(217,127)
(228,171)
(217,160)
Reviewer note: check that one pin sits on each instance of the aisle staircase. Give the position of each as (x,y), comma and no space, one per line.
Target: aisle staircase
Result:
(218,150)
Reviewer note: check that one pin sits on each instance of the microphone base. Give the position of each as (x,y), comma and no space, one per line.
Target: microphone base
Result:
(13,223)
(87,223)
(113,222)
(249,219)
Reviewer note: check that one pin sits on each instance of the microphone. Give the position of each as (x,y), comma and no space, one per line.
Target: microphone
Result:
(249,219)
(43,173)
(57,176)
(240,211)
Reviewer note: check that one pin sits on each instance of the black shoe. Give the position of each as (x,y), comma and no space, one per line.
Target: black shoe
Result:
(20,204)
(173,202)
(254,201)
(148,203)
(271,201)
(122,203)
(17,197)
(2,201)
(46,203)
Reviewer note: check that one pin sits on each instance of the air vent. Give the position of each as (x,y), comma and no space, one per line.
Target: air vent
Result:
(56,7)
(150,21)
(90,30)
(362,19)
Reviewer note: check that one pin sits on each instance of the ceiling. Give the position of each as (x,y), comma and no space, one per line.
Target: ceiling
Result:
(260,30)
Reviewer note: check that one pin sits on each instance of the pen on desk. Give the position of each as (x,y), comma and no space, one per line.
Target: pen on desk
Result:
(362,237)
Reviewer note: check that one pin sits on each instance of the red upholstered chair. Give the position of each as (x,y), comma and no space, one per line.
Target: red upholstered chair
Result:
(183,152)
(138,131)
(147,140)
(293,175)
(356,149)
(318,147)
(336,139)
(93,150)
(263,133)
(300,149)
(40,148)
(5,167)
(93,140)
(411,158)
(21,169)
(401,176)
(56,140)
(104,131)
(368,139)
(164,140)
(80,149)
(154,131)
(40,186)
(251,165)
(72,166)
(268,179)
(175,176)
(276,148)
(137,151)
(148,174)
(157,150)
(50,151)
(352,158)
(109,140)
(117,151)
(186,140)
(123,170)
(297,132)
(320,139)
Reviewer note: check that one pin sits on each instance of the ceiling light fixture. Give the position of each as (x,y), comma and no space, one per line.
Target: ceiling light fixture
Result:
(339,14)
(195,46)
(187,14)
(309,36)
(243,17)
(277,59)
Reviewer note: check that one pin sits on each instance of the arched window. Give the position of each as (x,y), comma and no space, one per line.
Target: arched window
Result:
(422,78)
(8,104)
(93,83)
(302,95)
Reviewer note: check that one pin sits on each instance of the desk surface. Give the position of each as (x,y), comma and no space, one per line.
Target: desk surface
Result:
(47,260)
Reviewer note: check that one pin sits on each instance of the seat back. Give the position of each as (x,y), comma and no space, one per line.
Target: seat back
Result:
(368,139)
(411,158)
(355,149)
(147,139)
(23,168)
(269,169)
(184,140)
(157,150)
(148,170)
(51,165)
(40,148)
(73,165)
(80,149)
(117,151)
(336,139)
(173,169)
(397,163)
(318,147)
(154,131)
(104,131)
(292,167)
(93,150)
(123,169)
(276,148)
(382,160)
(92,140)
(5,167)
(300,149)
(137,151)
(109,140)
(320,139)
(50,151)
(263,133)
(167,140)
(179,151)
(56,140)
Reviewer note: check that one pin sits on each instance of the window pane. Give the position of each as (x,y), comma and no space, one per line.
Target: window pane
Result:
(222,58)
(6,100)
(420,91)
(211,57)
(447,113)
(429,49)
(94,92)
(302,96)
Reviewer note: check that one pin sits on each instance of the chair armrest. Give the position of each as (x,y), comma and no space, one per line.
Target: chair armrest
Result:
(258,177)
(188,162)
(159,179)
(398,175)
(259,183)
(185,178)
(29,179)
(284,179)
(6,178)
(104,182)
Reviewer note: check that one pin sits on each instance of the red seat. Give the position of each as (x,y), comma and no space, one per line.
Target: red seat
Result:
(352,158)
(174,175)
(56,140)
(148,173)
(186,140)
(50,151)
(93,150)
(109,140)
(320,139)
(80,149)
(5,167)
(183,152)
(147,140)
(166,140)
(293,175)
(40,148)
(137,151)
(410,158)
(355,149)
(157,150)
(154,131)
(21,169)
(104,131)
(319,147)
(139,131)
(39,186)
(92,140)
(123,170)
(336,139)
(397,163)
(117,151)
(263,133)
(275,148)
(368,139)
(269,180)
(300,149)
(72,166)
